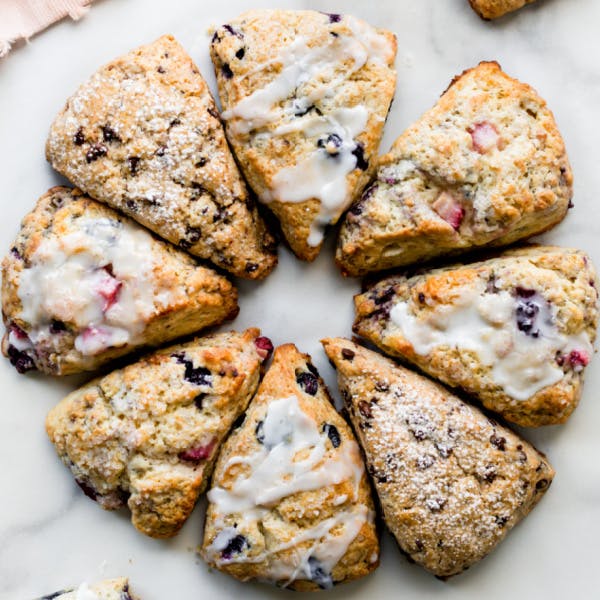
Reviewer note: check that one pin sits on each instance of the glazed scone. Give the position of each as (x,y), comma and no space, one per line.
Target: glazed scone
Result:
(305,97)
(492,9)
(147,435)
(290,503)
(515,331)
(486,166)
(143,135)
(83,285)
(451,482)
(111,589)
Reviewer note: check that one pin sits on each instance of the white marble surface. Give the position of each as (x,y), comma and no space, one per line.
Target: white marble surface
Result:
(52,536)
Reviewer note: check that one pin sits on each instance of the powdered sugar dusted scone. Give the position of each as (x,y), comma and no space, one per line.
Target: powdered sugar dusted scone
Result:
(147,435)
(290,503)
(492,9)
(144,136)
(305,97)
(451,482)
(111,589)
(514,331)
(486,166)
(83,285)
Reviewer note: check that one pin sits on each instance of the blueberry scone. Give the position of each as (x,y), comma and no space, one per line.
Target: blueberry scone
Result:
(111,589)
(515,331)
(451,482)
(486,166)
(83,285)
(290,503)
(147,435)
(492,9)
(305,97)
(143,135)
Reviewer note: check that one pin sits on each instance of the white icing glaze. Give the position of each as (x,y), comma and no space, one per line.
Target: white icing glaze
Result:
(291,459)
(485,323)
(97,278)
(83,592)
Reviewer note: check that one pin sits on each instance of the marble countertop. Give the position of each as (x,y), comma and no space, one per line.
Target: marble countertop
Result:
(51,536)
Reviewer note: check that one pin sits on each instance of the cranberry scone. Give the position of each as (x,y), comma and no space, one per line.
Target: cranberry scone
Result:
(147,435)
(451,482)
(83,285)
(111,589)
(486,166)
(492,9)
(305,97)
(290,503)
(515,331)
(144,136)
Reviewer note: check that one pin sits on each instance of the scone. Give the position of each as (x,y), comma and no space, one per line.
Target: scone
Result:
(83,285)
(451,482)
(147,435)
(492,9)
(290,503)
(305,97)
(111,589)
(486,166)
(515,331)
(143,135)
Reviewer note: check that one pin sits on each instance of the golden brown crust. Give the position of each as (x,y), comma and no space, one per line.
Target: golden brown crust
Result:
(492,9)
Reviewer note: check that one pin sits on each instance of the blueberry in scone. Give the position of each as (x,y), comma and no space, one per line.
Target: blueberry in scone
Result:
(144,136)
(492,9)
(111,589)
(147,435)
(289,501)
(515,331)
(305,97)
(451,482)
(83,284)
(486,166)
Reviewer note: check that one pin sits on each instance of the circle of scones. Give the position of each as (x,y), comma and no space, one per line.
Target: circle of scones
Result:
(515,331)
(486,166)
(305,97)
(451,482)
(143,135)
(83,285)
(492,9)
(110,589)
(290,503)
(147,435)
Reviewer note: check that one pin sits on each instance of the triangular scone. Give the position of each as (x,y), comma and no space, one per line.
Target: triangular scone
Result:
(305,97)
(290,503)
(144,136)
(111,589)
(451,482)
(492,9)
(83,285)
(147,435)
(515,331)
(486,166)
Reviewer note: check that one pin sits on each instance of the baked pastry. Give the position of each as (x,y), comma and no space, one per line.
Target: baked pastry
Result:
(451,482)
(83,285)
(305,97)
(290,503)
(492,9)
(515,331)
(143,135)
(147,435)
(486,166)
(111,589)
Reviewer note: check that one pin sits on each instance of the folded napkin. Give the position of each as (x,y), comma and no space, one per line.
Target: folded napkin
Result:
(20,19)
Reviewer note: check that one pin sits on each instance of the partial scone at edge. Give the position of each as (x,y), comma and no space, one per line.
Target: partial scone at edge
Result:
(97,285)
(451,482)
(109,589)
(486,166)
(515,331)
(143,135)
(493,9)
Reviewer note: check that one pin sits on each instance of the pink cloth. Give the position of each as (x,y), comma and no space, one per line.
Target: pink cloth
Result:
(20,19)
